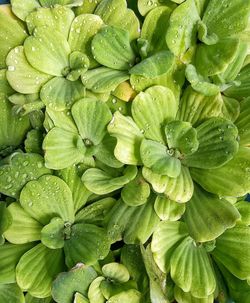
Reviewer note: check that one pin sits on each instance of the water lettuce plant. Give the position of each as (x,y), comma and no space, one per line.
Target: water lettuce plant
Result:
(124,151)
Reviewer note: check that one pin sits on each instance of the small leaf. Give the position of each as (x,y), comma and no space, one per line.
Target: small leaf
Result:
(231,109)
(68,283)
(132,295)
(52,234)
(115,271)
(168,210)
(207,216)
(37,269)
(243,122)
(22,9)
(186,297)
(46,198)
(11,293)
(111,48)
(244,210)
(94,244)
(144,6)
(94,292)
(128,137)
(5,221)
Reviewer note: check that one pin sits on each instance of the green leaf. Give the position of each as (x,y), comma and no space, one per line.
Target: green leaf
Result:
(94,292)
(233,251)
(47,51)
(91,117)
(94,244)
(231,108)
(217,144)
(154,29)
(58,18)
(136,192)
(59,93)
(196,108)
(88,7)
(80,193)
(31,299)
(152,109)
(111,48)
(103,79)
(10,255)
(37,269)
(116,13)
(5,88)
(214,181)
(83,30)
(67,284)
(208,216)
(154,66)
(157,157)
(46,198)
(128,137)
(241,87)
(63,148)
(226,18)
(20,169)
(116,271)
(243,122)
(157,181)
(5,221)
(52,234)
(145,7)
(79,298)
(21,75)
(186,297)
(23,229)
(132,224)
(214,59)
(244,210)
(132,295)
(102,182)
(181,38)
(166,238)
(12,32)
(182,137)
(11,293)
(70,3)
(168,210)
(79,64)
(191,269)
(23,8)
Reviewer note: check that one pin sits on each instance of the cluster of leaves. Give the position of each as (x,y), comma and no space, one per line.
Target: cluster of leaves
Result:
(125,151)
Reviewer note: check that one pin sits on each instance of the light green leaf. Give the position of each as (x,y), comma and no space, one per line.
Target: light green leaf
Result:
(132,295)
(154,29)
(101,182)
(214,59)
(63,148)
(186,297)
(181,136)
(157,157)
(214,181)
(91,117)
(217,144)
(20,169)
(154,66)
(52,49)
(166,238)
(79,64)
(52,234)
(12,32)
(243,122)
(128,137)
(46,198)
(144,6)
(5,221)
(157,181)
(11,293)
(57,18)
(241,87)
(83,30)
(226,18)
(67,284)
(180,189)
(152,109)
(21,75)
(10,255)
(207,216)
(70,3)
(233,251)
(244,210)
(136,192)
(79,298)
(111,48)
(231,108)
(23,8)
(168,210)
(79,191)
(103,79)
(59,93)
(181,38)
(191,269)
(116,271)
(23,229)
(31,299)
(116,13)
(37,269)
(5,88)
(132,224)
(94,244)
(94,292)
(88,7)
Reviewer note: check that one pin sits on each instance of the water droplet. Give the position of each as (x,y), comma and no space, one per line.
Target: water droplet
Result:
(25,163)
(11,68)
(30,204)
